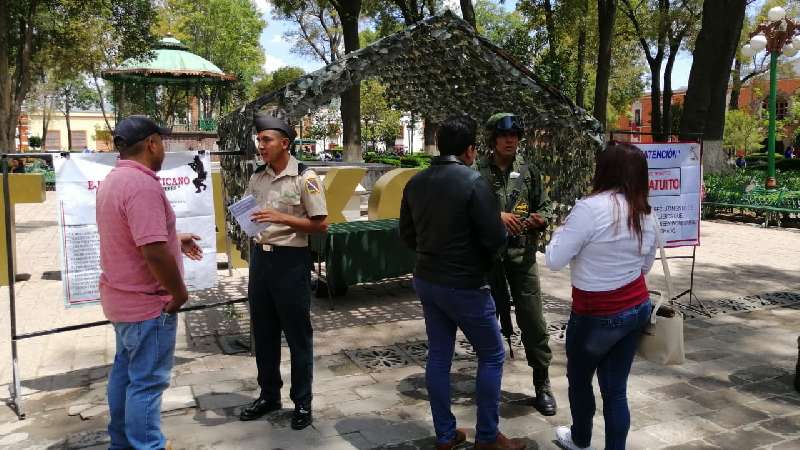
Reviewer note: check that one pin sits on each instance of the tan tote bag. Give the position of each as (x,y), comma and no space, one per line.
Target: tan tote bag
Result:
(662,338)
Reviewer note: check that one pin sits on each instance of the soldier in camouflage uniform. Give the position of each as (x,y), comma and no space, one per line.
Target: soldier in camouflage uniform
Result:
(525,211)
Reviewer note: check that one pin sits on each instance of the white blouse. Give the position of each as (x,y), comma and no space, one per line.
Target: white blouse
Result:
(602,252)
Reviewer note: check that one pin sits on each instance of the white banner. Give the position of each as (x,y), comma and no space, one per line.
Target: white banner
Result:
(675,177)
(185,179)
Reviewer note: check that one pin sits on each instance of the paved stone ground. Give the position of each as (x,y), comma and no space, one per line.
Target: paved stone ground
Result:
(734,392)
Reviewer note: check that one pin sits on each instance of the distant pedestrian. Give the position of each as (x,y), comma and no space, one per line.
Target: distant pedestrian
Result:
(741,162)
(141,284)
(609,242)
(457,234)
(789,152)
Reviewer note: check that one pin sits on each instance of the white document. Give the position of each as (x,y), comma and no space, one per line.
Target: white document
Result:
(243,211)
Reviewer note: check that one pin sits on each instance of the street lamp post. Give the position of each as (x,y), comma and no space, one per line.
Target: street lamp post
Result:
(777,35)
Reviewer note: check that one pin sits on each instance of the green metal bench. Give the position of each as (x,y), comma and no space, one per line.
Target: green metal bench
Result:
(772,203)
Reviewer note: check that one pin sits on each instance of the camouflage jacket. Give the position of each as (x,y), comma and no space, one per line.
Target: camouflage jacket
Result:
(528,199)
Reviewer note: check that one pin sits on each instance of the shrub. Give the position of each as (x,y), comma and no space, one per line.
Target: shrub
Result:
(788,164)
(35,141)
(389,160)
(757,157)
(409,161)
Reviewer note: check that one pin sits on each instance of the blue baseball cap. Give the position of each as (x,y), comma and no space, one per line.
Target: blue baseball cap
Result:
(133,129)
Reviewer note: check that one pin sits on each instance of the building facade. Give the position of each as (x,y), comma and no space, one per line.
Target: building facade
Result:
(636,125)
(88,130)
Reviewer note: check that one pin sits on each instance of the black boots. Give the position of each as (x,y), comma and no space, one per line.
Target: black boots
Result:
(301,417)
(797,369)
(545,402)
(258,408)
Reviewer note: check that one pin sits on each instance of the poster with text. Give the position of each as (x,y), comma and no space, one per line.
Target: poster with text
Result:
(675,177)
(184,176)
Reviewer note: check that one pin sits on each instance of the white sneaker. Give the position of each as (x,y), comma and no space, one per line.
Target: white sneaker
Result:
(564,437)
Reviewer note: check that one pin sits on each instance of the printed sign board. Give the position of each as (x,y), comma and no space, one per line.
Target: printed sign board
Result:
(675,179)
(184,178)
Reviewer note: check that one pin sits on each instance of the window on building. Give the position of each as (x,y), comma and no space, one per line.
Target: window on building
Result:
(781,108)
(53,141)
(79,141)
(637,117)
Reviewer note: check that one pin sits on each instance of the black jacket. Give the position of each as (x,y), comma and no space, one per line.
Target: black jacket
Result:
(450,217)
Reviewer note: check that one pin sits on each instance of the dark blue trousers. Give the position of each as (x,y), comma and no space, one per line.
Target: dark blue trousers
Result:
(606,345)
(279,292)
(473,311)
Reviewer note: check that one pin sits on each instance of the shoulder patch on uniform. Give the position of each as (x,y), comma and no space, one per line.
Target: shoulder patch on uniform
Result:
(312,185)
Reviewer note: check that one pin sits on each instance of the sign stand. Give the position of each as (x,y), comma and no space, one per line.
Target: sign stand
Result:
(694,302)
(15,388)
(690,291)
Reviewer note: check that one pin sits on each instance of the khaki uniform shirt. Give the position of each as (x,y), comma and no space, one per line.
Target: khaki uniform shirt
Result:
(290,192)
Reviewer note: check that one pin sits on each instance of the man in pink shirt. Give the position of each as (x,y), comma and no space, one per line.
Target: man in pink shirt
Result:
(141,285)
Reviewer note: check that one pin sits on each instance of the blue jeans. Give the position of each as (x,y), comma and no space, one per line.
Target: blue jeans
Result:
(607,345)
(473,311)
(141,373)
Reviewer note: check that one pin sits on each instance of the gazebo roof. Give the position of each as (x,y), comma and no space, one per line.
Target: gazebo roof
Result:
(169,63)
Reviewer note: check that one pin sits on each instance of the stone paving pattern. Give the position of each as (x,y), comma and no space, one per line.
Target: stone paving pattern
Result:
(734,392)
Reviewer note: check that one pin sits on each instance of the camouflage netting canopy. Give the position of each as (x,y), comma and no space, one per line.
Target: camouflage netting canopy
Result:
(437,68)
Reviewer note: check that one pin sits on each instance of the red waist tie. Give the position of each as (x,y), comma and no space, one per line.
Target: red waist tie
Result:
(606,303)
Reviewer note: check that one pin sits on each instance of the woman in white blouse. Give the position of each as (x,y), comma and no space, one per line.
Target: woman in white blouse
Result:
(608,240)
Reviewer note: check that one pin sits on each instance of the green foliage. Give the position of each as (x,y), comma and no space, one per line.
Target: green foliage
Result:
(507,30)
(730,188)
(277,79)
(225,32)
(35,141)
(316,30)
(762,157)
(59,36)
(743,131)
(379,123)
(787,165)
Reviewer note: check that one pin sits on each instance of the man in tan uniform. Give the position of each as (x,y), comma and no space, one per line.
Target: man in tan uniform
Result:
(279,289)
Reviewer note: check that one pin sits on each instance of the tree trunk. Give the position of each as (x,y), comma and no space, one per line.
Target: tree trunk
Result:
(351,99)
(606,13)
(704,106)
(14,87)
(430,137)
(46,113)
(7,123)
(468,12)
(666,98)
(101,100)
(550,24)
(736,85)
(580,74)
(655,100)
(69,128)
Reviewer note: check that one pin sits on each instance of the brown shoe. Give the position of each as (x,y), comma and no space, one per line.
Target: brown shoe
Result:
(461,436)
(501,443)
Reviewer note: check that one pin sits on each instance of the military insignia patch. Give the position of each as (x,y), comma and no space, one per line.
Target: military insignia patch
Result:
(521,209)
(312,186)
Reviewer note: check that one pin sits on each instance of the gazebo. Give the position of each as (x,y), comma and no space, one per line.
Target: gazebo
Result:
(174,86)
(436,68)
